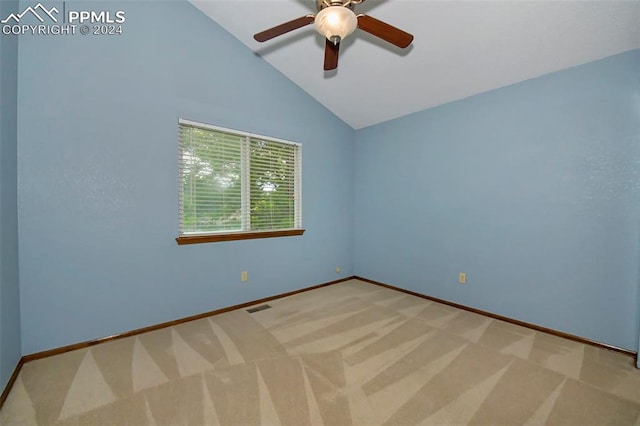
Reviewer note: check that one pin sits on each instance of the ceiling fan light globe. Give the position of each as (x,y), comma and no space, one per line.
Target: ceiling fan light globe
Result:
(336,21)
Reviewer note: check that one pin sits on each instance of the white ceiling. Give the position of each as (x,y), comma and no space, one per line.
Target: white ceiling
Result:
(461,48)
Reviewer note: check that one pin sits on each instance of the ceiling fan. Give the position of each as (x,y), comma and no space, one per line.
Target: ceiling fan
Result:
(335,20)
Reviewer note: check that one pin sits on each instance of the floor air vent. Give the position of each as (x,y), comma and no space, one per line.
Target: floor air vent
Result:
(258,308)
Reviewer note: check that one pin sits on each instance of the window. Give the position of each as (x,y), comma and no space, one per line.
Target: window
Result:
(235,185)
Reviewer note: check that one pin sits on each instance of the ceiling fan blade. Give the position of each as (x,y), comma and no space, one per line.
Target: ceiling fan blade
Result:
(331,52)
(284,28)
(384,31)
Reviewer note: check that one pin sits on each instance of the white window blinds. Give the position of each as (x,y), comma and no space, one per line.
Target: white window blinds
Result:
(236,182)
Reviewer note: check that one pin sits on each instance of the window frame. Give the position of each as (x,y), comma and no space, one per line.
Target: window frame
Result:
(218,236)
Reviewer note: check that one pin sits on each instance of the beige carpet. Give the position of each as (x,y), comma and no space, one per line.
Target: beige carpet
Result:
(350,353)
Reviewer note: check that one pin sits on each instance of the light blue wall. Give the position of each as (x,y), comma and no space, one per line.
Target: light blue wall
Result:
(97,165)
(636,109)
(532,190)
(10,350)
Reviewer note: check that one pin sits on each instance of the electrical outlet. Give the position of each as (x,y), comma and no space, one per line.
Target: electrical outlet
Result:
(244,276)
(462,278)
(338,269)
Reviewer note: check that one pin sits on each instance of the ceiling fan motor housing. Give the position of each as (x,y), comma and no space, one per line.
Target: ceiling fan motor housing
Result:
(321,4)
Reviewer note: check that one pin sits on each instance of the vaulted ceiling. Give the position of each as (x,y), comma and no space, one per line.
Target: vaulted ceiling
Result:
(461,48)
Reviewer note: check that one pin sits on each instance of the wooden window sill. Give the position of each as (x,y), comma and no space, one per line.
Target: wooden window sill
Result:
(214,238)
